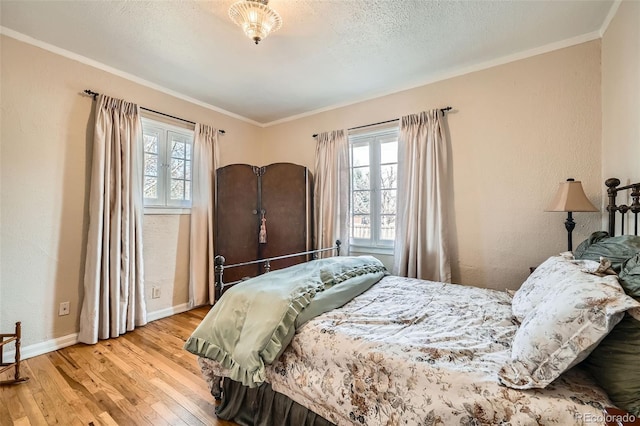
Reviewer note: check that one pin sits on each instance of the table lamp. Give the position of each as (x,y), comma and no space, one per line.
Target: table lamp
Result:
(570,198)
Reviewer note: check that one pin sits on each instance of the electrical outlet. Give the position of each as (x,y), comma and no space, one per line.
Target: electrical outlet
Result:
(155,293)
(63,309)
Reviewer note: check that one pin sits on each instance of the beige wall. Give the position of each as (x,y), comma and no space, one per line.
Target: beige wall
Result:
(45,150)
(516,131)
(621,95)
(166,255)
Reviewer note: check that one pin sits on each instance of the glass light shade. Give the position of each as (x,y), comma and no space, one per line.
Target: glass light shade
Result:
(256,19)
(571,198)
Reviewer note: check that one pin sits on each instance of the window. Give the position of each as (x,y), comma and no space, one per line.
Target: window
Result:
(374,176)
(167,164)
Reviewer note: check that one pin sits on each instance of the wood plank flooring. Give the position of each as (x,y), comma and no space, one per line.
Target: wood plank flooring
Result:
(141,378)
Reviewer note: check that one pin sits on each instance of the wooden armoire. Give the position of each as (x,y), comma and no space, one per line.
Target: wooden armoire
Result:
(279,192)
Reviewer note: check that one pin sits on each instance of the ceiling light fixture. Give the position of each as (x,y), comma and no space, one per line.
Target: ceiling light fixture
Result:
(256,18)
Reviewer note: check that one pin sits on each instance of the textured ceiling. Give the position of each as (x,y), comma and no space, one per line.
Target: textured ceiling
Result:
(328,52)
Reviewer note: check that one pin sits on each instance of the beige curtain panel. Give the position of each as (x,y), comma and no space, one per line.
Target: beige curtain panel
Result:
(421,245)
(201,254)
(113,280)
(331,191)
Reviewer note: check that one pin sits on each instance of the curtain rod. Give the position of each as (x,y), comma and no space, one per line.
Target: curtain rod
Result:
(444,110)
(95,95)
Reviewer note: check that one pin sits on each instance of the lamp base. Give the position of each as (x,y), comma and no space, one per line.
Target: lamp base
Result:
(570,224)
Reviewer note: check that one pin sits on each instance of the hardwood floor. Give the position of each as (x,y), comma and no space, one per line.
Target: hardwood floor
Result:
(141,378)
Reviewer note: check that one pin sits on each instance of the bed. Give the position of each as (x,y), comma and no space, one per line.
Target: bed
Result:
(454,355)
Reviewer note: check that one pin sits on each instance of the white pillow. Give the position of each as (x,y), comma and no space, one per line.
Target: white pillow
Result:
(547,277)
(572,316)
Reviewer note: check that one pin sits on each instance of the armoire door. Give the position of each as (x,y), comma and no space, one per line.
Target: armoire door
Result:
(286,202)
(237,221)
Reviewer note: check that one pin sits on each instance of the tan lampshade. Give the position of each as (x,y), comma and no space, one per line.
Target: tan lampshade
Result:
(571,198)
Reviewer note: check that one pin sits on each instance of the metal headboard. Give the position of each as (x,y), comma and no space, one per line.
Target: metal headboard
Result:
(623,209)
(220,266)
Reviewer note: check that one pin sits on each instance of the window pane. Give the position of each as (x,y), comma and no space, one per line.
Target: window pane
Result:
(188,150)
(150,187)
(389,176)
(387,227)
(389,152)
(177,169)
(187,190)
(151,142)
(361,227)
(177,149)
(187,169)
(361,202)
(360,155)
(177,189)
(360,178)
(150,164)
(388,201)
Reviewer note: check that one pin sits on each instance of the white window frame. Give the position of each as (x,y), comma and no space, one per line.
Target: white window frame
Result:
(372,138)
(165,131)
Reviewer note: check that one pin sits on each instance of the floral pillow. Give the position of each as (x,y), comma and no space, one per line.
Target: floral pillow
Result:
(566,322)
(546,278)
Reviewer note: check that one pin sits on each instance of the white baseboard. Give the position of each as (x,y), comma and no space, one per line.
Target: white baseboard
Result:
(167,312)
(42,347)
(71,339)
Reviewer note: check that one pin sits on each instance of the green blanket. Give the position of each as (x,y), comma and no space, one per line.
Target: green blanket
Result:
(256,319)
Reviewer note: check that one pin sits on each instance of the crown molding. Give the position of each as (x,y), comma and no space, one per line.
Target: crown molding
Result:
(434,78)
(103,67)
(454,72)
(609,17)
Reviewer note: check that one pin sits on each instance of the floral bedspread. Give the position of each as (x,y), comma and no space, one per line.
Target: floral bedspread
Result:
(411,352)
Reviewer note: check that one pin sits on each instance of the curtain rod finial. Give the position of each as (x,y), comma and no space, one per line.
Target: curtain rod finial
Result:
(91,93)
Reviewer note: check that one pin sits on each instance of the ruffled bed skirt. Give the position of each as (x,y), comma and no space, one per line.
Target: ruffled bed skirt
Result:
(262,406)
